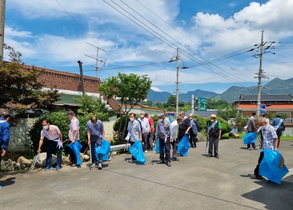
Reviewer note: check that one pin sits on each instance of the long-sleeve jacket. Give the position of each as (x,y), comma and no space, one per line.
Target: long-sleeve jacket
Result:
(251,125)
(4,134)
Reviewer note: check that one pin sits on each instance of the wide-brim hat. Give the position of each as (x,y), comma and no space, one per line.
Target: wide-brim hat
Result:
(213,116)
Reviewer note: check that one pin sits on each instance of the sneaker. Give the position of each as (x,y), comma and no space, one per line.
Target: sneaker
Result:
(93,165)
(168,164)
(78,166)
(58,167)
(210,155)
(47,168)
(132,161)
(175,159)
(249,148)
(146,151)
(217,156)
(256,148)
(161,162)
(100,166)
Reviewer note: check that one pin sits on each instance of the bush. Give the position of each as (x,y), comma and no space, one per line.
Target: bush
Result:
(226,127)
(120,129)
(61,120)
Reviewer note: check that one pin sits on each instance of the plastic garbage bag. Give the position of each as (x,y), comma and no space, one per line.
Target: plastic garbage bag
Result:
(137,152)
(76,146)
(184,146)
(272,166)
(250,138)
(104,149)
(157,146)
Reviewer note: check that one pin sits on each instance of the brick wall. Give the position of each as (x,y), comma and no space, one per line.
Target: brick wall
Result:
(69,81)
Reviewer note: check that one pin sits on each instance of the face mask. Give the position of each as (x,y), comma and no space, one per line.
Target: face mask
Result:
(131,119)
(141,116)
(46,127)
(160,120)
(212,120)
(190,118)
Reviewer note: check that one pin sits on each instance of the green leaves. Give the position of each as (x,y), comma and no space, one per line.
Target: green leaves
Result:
(130,88)
(93,106)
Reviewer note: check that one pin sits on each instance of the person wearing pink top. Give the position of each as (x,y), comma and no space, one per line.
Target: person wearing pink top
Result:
(151,132)
(54,142)
(73,135)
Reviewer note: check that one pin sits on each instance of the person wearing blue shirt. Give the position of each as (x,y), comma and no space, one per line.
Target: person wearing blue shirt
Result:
(279,126)
(95,134)
(4,133)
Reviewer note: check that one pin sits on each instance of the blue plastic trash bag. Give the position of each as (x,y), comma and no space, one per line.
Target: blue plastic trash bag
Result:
(272,167)
(250,138)
(104,149)
(157,146)
(76,146)
(137,152)
(184,146)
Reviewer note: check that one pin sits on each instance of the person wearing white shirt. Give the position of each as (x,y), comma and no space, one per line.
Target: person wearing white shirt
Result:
(174,137)
(145,125)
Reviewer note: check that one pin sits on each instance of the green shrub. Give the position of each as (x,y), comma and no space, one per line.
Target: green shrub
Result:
(61,120)
(226,127)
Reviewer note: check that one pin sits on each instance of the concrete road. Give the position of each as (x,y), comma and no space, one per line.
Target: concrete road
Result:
(195,182)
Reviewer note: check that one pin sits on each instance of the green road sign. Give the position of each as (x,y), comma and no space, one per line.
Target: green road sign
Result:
(202,104)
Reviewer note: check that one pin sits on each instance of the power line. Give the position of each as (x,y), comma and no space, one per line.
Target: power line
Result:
(85,31)
(216,59)
(169,35)
(171,45)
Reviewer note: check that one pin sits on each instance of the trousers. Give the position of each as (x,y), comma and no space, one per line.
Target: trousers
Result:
(256,170)
(51,147)
(145,141)
(192,139)
(165,156)
(213,145)
(174,148)
(151,140)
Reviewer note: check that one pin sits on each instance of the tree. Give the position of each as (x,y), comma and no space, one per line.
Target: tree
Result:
(227,113)
(21,90)
(217,104)
(130,89)
(171,101)
(147,103)
(93,106)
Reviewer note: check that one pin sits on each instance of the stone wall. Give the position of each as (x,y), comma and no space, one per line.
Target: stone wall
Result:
(19,139)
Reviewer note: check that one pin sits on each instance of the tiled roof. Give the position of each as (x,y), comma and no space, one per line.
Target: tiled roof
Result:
(273,98)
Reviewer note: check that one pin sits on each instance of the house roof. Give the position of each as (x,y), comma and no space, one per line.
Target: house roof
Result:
(264,98)
(204,114)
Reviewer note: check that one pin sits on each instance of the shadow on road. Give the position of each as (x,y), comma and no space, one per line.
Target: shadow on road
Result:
(9,181)
(273,195)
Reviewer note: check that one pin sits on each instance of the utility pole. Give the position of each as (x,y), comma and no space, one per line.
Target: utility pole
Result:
(260,75)
(97,58)
(2,26)
(81,77)
(177,82)
(192,103)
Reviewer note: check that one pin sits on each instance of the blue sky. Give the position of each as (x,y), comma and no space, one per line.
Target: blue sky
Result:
(54,34)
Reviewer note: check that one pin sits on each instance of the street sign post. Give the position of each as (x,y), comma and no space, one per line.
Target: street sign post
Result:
(202,104)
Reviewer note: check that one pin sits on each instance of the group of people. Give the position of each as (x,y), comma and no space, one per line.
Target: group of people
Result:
(54,138)
(170,134)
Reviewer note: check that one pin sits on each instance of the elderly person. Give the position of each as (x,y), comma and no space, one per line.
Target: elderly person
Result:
(270,142)
(193,131)
(163,133)
(134,132)
(251,128)
(73,135)
(214,136)
(54,142)
(145,126)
